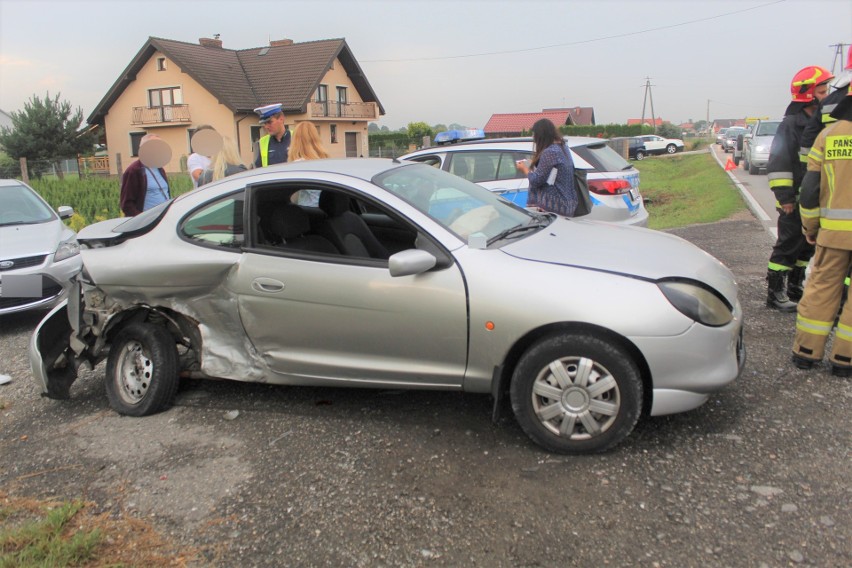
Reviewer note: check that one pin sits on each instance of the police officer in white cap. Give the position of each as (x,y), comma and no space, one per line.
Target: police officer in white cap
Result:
(272,148)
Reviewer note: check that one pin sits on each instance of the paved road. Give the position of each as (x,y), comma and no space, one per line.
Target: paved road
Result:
(758,477)
(755,189)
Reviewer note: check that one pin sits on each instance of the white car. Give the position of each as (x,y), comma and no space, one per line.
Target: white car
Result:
(39,254)
(613,181)
(658,145)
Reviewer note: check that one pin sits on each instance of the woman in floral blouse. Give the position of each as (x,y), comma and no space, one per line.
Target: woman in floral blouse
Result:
(551,173)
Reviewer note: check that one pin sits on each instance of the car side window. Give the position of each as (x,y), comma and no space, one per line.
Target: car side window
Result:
(433,161)
(219,223)
(507,168)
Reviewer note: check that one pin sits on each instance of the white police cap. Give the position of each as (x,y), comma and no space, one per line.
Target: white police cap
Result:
(267,112)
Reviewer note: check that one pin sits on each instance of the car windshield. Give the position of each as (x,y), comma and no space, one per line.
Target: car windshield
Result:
(767,128)
(459,205)
(19,205)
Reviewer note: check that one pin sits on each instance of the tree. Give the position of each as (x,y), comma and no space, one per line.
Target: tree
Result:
(669,130)
(439,128)
(372,127)
(417,130)
(46,132)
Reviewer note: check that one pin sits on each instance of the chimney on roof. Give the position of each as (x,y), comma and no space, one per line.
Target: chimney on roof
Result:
(209,42)
(280,42)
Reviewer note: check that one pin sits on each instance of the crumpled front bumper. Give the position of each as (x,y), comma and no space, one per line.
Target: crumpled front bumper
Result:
(48,354)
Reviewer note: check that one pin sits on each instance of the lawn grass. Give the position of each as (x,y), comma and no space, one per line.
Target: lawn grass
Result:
(686,189)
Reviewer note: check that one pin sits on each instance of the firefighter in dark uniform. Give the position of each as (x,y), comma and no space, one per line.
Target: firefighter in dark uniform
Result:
(826,210)
(785,171)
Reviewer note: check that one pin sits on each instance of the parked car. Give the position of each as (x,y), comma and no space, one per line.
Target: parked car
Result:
(658,145)
(404,277)
(636,148)
(730,142)
(38,252)
(613,182)
(720,136)
(756,145)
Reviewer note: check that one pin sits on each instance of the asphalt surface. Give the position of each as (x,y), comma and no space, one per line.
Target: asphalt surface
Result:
(254,475)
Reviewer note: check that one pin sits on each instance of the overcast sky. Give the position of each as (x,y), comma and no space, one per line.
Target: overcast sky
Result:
(462,60)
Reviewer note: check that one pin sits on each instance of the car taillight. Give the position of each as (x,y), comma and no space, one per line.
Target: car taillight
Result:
(609,186)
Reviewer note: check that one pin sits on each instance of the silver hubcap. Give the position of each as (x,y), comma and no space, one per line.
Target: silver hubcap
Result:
(134,372)
(576,398)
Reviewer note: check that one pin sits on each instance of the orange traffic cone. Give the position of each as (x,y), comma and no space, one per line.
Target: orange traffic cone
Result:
(730,165)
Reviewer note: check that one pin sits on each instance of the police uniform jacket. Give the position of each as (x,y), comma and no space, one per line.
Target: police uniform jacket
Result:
(826,201)
(785,170)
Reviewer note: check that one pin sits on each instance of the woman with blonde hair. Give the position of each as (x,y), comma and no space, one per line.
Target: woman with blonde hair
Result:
(306,145)
(226,162)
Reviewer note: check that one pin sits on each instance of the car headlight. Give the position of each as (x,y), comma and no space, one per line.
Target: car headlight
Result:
(761,149)
(66,249)
(697,302)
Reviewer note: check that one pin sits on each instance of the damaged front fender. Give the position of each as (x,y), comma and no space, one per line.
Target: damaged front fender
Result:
(51,359)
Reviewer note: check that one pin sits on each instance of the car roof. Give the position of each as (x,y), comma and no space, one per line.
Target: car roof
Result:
(361,168)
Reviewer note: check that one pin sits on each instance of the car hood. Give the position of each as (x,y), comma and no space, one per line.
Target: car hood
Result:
(32,240)
(631,251)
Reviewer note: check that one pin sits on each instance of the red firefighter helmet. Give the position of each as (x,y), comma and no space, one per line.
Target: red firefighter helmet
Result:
(805,82)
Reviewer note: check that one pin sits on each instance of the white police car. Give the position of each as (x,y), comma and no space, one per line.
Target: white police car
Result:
(613,181)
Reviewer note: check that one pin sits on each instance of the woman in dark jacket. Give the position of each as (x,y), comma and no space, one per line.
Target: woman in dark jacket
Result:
(551,173)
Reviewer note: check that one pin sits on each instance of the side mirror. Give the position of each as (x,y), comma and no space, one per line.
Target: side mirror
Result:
(411,261)
(65,211)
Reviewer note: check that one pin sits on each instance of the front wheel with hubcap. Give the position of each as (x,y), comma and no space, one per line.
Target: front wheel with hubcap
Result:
(576,393)
(671,148)
(141,370)
(640,155)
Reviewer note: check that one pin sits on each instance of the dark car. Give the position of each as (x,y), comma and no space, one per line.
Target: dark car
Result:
(636,149)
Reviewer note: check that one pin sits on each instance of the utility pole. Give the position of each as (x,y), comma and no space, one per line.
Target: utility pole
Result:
(709,133)
(838,54)
(649,96)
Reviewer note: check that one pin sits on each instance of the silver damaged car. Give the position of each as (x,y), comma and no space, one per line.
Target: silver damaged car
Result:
(402,276)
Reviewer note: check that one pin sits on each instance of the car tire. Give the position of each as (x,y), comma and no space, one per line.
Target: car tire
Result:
(576,394)
(671,149)
(640,155)
(141,370)
(753,170)
(745,162)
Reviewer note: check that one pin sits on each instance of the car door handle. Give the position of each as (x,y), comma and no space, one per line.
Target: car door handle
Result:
(267,285)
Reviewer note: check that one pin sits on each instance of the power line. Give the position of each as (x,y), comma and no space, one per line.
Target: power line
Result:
(604,38)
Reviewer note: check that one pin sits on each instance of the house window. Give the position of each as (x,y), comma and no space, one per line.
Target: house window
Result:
(341,101)
(333,128)
(322,98)
(135,139)
(165,96)
(161,64)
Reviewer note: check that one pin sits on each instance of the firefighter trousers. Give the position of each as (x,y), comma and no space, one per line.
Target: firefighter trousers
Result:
(791,249)
(818,307)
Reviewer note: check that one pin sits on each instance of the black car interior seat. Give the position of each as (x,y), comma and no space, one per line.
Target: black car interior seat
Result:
(347,230)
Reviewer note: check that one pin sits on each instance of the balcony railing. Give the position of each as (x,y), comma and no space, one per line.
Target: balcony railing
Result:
(337,109)
(160,115)
(98,165)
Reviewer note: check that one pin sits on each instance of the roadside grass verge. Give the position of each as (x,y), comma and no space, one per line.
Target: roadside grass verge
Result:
(48,534)
(686,189)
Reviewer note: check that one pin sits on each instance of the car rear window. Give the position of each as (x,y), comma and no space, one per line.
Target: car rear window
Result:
(601,157)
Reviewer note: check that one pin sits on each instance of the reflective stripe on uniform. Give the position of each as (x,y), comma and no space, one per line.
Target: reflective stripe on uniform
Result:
(775,267)
(809,213)
(843,332)
(780,179)
(815,154)
(802,263)
(835,225)
(814,327)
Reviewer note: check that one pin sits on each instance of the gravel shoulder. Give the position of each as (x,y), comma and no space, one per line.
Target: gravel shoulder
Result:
(255,475)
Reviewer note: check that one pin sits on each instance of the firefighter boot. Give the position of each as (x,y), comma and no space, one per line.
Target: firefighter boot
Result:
(796,283)
(776,296)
